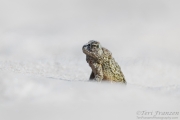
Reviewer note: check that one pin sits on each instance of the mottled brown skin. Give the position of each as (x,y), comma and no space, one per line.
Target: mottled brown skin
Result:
(103,65)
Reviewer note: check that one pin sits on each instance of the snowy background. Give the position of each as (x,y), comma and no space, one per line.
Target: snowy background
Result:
(43,72)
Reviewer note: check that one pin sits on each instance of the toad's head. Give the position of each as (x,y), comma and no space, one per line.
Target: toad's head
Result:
(93,48)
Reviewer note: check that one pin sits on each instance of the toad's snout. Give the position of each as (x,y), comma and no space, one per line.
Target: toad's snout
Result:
(84,46)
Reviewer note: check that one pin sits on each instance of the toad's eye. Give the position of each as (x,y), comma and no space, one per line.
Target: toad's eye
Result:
(94,45)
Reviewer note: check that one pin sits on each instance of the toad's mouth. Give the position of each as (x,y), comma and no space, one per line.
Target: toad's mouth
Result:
(86,50)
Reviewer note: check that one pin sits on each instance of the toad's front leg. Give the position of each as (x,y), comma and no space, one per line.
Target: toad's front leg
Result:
(98,72)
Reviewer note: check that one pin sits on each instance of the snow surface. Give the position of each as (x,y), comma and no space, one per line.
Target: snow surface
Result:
(43,72)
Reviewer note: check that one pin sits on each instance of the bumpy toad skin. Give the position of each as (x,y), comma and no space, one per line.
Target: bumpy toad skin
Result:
(103,65)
